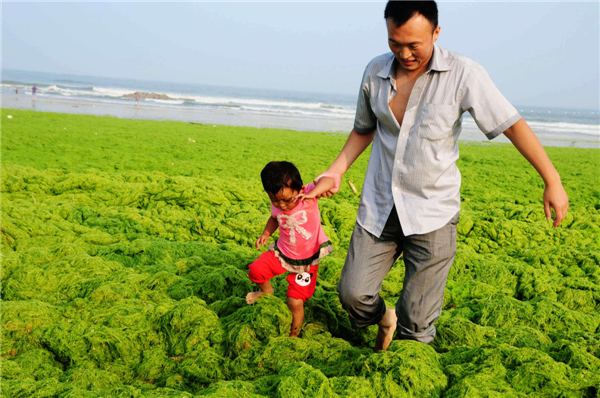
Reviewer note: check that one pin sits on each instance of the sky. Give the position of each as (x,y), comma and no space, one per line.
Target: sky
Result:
(537,53)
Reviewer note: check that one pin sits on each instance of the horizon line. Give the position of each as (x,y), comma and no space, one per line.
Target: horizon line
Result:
(177,82)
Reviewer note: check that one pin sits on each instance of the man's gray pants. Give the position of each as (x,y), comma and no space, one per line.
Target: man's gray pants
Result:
(427,260)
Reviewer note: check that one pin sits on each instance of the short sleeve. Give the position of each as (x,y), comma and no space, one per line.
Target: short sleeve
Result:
(309,187)
(365,120)
(492,113)
(274,211)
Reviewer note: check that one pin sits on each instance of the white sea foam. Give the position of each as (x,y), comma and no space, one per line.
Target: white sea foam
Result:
(561,127)
(171,102)
(228,102)
(550,127)
(209,100)
(268,103)
(111,92)
(314,107)
(297,112)
(69,92)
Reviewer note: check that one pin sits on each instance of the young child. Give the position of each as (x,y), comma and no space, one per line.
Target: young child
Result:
(302,242)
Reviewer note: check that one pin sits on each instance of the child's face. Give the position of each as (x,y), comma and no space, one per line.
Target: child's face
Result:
(284,200)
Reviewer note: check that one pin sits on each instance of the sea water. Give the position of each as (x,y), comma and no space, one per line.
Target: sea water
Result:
(252,107)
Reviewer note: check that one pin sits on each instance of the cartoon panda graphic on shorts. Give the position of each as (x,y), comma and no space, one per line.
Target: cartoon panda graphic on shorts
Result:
(303,279)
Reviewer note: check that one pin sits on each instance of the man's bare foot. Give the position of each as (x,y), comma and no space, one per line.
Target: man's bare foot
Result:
(387,327)
(253,296)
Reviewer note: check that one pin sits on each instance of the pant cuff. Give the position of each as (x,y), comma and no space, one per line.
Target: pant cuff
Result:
(366,322)
(426,336)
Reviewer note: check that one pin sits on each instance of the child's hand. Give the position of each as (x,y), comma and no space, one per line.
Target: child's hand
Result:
(262,240)
(304,197)
(337,178)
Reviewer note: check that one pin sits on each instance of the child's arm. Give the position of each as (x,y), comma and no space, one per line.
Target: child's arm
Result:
(324,185)
(271,227)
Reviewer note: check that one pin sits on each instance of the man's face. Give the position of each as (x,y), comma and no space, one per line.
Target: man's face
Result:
(412,43)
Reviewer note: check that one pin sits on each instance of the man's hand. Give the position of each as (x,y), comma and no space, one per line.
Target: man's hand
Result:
(527,143)
(262,240)
(556,198)
(337,179)
(354,146)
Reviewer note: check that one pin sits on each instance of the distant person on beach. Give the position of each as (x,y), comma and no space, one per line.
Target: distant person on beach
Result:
(136,98)
(33,90)
(409,107)
(17,93)
(302,242)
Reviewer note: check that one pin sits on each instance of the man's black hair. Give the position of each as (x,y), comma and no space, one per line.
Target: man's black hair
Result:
(402,11)
(278,175)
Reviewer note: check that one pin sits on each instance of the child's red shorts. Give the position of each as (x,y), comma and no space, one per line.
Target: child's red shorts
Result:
(301,286)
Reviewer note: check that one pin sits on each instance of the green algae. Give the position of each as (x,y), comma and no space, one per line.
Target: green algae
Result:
(301,380)
(124,273)
(407,368)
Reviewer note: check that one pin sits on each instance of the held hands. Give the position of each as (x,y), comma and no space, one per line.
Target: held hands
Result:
(323,186)
(262,240)
(304,197)
(337,179)
(556,198)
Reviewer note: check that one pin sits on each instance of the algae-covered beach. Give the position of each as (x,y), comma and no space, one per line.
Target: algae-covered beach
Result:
(125,247)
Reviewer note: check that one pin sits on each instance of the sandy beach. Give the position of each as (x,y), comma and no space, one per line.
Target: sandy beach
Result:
(236,117)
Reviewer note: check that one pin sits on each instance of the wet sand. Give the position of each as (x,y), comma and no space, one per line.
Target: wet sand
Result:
(151,111)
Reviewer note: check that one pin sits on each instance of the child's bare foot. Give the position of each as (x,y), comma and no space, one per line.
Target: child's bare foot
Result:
(295,329)
(297,308)
(253,296)
(387,327)
(264,288)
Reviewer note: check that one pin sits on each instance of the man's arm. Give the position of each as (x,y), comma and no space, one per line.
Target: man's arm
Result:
(323,185)
(523,138)
(354,146)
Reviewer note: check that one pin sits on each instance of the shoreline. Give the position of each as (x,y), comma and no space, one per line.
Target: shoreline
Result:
(148,111)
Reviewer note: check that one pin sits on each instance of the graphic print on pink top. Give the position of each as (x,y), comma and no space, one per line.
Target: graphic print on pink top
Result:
(300,234)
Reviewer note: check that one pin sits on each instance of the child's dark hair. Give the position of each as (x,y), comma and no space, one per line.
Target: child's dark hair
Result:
(278,175)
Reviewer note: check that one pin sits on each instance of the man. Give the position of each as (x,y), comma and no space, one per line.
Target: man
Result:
(410,106)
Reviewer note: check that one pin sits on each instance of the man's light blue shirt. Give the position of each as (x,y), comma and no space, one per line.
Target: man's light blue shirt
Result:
(413,166)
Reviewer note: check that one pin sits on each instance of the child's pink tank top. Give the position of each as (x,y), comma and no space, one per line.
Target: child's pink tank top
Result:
(302,241)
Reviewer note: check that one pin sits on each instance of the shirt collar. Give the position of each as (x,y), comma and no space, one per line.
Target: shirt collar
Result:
(438,63)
